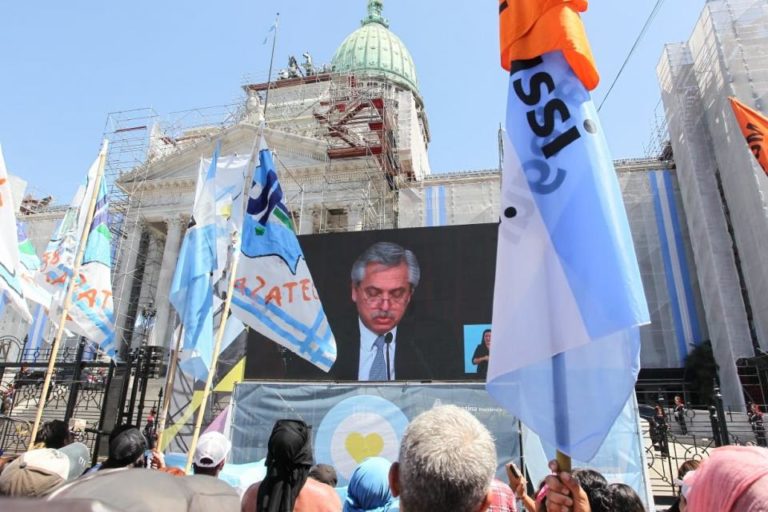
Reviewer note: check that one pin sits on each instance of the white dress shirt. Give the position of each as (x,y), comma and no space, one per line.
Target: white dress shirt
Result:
(368,352)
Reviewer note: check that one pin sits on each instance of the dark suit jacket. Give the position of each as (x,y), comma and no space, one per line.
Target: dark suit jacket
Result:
(411,358)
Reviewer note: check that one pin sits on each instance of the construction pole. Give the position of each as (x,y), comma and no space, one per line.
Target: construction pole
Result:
(71,285)
(169,380)
(216,350)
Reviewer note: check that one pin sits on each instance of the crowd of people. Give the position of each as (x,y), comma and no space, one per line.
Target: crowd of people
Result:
(447,461)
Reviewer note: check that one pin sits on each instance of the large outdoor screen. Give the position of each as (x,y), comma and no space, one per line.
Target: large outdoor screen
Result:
(437,328)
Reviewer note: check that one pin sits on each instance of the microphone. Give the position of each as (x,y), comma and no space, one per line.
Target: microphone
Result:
(388,340)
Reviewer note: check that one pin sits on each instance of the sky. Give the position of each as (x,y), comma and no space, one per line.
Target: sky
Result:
(67,65)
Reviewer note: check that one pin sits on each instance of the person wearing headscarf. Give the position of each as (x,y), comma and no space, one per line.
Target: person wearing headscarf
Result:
(289,459)
(732,479)
(286,487)
(368,489)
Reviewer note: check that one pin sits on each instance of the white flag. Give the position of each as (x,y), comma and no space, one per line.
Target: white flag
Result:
(274,291)
(10,282)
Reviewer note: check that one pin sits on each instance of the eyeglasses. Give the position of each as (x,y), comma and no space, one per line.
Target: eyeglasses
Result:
(375,297)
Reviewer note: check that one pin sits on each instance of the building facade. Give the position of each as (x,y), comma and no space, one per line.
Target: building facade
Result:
(723,188)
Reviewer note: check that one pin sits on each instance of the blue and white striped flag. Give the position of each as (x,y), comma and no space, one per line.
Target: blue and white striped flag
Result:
(568,296)
(191,290)
(274,291)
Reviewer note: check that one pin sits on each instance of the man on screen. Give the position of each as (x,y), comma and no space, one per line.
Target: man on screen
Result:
(378,348)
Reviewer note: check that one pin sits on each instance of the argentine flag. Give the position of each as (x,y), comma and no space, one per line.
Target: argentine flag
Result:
(191,290)
(568,297)
(274,291)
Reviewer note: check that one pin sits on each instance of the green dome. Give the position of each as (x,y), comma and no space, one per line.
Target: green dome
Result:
(372,50)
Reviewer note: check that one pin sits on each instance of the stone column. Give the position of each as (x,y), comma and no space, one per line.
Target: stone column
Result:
(126,272)
(165,312)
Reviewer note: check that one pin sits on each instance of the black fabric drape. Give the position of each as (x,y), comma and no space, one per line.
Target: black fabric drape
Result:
(289,458)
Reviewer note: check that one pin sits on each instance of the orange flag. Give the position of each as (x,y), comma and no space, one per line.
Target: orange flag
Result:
(529,28)
(754,126)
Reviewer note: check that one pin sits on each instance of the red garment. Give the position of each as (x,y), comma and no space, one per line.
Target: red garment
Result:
(502,497)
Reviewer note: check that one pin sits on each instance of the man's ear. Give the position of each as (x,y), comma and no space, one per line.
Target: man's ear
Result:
(394,479)
(354,291)
(486,501)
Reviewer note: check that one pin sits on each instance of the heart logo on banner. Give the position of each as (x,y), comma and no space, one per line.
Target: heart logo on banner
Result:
(361,447)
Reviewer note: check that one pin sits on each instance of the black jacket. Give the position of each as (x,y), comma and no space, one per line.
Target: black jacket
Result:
(410,360)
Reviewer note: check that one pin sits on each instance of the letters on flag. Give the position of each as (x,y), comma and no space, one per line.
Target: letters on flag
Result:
(754,127)
(10,281)
(568,295)
(274,291)
(191,290)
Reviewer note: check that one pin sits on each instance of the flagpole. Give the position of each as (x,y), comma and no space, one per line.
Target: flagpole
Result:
(68,297)
(560,388)
(271,60)
(169,380)
(227,304)
(216,350)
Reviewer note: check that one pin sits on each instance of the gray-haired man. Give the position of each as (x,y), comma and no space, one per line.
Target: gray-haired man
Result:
(377,347)
(447,461)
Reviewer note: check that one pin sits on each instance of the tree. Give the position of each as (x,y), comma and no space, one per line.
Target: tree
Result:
(701,372)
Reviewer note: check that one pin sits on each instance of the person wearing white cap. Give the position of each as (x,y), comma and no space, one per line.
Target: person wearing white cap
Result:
(211,454)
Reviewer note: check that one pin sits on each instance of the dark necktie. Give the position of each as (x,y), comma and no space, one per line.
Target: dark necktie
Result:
(379,367)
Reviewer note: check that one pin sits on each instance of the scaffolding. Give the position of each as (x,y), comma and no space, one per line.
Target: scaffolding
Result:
(358,120)
(351,184)
(128,133)
(721,188)
(658,145)
(137,138)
